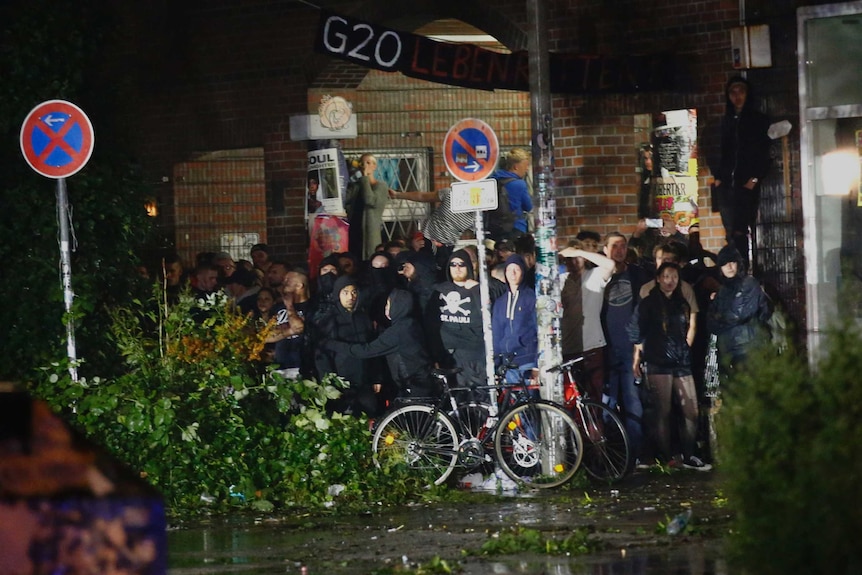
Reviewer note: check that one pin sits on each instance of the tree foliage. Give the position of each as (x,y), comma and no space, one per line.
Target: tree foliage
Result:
(790,449)
(48,51)
(195,414)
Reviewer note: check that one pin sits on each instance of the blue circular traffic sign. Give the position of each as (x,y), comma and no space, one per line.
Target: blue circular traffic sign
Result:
(57,139)
(471,150)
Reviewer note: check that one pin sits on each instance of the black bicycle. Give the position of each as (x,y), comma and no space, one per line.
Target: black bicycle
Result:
(534,441)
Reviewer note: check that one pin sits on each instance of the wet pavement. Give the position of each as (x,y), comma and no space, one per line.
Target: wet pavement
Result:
(625,523)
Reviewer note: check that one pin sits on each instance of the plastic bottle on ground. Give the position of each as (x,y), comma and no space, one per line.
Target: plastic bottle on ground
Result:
(679,522)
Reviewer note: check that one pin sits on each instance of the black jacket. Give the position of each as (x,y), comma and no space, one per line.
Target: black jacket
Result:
(661,324)
(402,344)
(339,324)
(744,142)
(737,316)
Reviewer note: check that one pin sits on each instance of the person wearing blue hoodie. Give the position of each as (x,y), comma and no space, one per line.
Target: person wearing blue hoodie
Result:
(513,322)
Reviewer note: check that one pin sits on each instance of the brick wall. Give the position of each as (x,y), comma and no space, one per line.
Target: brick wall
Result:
(223,75)
(217,195)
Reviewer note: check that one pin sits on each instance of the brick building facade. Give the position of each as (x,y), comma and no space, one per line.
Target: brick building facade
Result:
(205,78)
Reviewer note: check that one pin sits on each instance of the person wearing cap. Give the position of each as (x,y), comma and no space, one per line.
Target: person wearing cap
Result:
(739,311)
(259,254)
(454,323)
(242,287)
(743,164)
(582,297)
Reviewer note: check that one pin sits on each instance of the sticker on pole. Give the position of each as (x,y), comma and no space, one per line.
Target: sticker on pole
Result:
(471,150)
(57,139)
(473,196)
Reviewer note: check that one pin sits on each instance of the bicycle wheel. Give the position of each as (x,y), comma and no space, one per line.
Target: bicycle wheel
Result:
(607,453)
(538,443)
(472,418)
(420,437)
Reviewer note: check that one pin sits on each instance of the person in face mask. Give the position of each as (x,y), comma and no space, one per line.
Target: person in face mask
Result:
(380,279)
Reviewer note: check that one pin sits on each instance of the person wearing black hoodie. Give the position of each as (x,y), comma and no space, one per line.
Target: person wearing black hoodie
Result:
(454,320)
(744,163)
(403,345)
(347,322)
(418,276)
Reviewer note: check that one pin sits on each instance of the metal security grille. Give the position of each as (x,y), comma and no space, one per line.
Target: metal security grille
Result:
(405,170)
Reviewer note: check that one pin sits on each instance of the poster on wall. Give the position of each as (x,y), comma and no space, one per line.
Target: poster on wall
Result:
(329,235)
(674,159)
(323,184)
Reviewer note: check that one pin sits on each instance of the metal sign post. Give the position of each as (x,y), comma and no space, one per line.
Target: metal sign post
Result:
(66,271)
(478,197)
(57,141)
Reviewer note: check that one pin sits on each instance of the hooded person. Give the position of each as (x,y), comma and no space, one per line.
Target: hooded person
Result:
(418,275)
(743,164)
(346,321)
(454,322)
(379,278)
(738,314)
(402,344)
(513,321)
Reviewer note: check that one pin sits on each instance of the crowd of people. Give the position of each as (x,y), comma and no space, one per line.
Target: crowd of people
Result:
(639,309)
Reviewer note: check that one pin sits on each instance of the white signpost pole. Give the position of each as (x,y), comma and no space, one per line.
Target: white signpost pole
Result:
(66,271)
(480,196)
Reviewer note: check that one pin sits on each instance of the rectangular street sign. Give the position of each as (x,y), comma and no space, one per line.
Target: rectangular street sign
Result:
(480,195)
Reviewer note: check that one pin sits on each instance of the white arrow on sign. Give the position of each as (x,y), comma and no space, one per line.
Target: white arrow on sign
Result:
(51,120)
(473,167)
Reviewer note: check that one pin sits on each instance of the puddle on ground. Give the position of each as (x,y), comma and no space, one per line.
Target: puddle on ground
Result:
(624,518)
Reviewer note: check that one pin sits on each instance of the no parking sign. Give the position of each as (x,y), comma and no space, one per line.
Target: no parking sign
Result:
(57,139)
(471,150)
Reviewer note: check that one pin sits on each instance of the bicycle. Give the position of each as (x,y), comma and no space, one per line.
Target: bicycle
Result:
(607,451)
(535,442)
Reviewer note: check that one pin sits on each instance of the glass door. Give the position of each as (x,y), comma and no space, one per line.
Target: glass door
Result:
(830,100)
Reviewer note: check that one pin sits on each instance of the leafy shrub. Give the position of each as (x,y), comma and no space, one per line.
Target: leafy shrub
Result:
(199,417)
(790,447)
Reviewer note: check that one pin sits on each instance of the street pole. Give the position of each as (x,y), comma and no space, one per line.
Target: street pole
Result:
(66,270)
(548,303)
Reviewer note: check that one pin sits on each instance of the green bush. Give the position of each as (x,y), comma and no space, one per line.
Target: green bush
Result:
(790,448)
(200,419)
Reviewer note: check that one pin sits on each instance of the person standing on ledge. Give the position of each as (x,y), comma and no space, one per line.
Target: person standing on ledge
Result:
(367,198)
(743,165)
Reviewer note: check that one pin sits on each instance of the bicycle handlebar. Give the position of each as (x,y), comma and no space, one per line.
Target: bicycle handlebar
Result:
(566,364)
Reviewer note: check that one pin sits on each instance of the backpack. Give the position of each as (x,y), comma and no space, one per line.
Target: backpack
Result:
(500,222)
